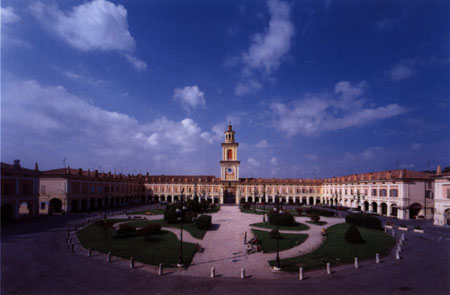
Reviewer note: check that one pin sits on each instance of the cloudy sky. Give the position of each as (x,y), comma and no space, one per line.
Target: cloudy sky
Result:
(312,88)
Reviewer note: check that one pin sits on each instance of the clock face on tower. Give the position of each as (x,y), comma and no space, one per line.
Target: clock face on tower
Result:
(229,170)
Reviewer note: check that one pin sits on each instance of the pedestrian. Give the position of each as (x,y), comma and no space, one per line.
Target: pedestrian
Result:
(245,237)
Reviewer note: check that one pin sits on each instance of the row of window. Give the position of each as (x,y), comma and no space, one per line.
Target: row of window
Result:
(374,192)
(9,187)
(77,187)
(186,190)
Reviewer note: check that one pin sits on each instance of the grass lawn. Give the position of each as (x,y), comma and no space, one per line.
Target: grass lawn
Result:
(251,211)
(299,226)
(162,248)
(288,241)
(190,227)
(335,247)
(152,211)
(317,223)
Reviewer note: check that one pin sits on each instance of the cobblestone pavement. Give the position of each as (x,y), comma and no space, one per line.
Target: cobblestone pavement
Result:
(35,260)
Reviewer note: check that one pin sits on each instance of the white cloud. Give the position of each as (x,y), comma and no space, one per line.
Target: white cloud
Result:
(311,157)
(82,78)
(8,15)
(190,97)
(262,144)
(274,161)
(96,25)
(267,49)
(402,71)
(244,88)
(253,162)
(53,114)
(317,113)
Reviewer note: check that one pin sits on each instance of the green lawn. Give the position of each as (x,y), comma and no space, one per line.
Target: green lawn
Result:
(317,223)
(162,248)
(299,226)
(251,211)
(338,251)
(190,227)
(153,211)
(288,241)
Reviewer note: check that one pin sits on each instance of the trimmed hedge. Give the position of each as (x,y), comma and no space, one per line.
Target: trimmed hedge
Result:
(353,236)
(320,212)
(203,222)
(284,219)
(170,214)
(364,220)
(274,234)
(151,229)
(125,231)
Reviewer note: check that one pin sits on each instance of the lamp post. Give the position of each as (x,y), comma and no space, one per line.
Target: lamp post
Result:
(264,203)
(358,197)
(181,212)
(277,209)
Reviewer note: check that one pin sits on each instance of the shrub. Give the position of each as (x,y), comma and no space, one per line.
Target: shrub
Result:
(203,222)
(402,225)
(315,217)
(170,214)
(389,223)
(245,206)
(212,206)
(274,234)
(193,205)
(353,236)
(320,212)
(204,205)
(364,220)
(189,216)
(151,229)
(125,230)
(285,219)
(299,211)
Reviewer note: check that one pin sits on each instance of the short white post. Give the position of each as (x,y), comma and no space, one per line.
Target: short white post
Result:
(397,255)
(356,262)
(403,236)
(89,252)
(160,271)
(377,258)
(328,268)
(401,242)
(300,274)
(213,272)
(131,262)
(108,257)
(242,273)
(393,232)
(399,248)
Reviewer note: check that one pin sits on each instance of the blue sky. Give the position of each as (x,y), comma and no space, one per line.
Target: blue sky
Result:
(312,88)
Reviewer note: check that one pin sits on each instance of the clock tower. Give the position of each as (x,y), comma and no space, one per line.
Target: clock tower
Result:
(229,166)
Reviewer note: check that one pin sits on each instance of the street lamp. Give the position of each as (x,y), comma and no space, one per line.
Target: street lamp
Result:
(180,211)
(358,197)
(264,203)
(278,211)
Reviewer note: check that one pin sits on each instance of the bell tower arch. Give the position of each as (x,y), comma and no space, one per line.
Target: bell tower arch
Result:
(229,166)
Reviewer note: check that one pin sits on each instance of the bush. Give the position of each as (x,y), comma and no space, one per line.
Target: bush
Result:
(364,220)
(315,217)
(203,222)
(194,206)
(320,212)
(204,205)
(245,206)
(402,225)
(388,223)
(151,229)
(285,219)
(353,236)
(125,230)
(274,234)
(212,206)
(189,216)
(417,227)
(170,214)
(299,211)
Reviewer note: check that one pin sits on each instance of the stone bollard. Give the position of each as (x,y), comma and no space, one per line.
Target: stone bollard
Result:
(399,248)
(403,236)
(160,271)
(385,229)
(401,242)
(377,258)
(67,230)
(393,232)
(213,272)
(90,252)
(300,273)
(108,257)
(242,273)
(356,262)
(72,247)
(397,255)
(328,268)
(131,262)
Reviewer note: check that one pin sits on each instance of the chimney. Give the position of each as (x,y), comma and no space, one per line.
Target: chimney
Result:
(80,171)
(89,173)
(438,170)
(388,174)
(402,173)
(36,167)
(96,173)
(148,174)
(16,164)
(68,169)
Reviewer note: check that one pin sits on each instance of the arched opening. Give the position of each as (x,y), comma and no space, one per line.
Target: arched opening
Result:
(394,210)
(297,200)
(7,212)
(283,200)
(169,199)
(304,201)
(93,204)
(54,206)
(383,209)
(447,217)
(84,205)
(290,201)
(242,200)
(196,198)
(175,198)
(74,205)
(270,200)
(318,202)
(366,206)
(311,201)
(374,207)
(256,200)
(24,210)
(229,154)
(414,210)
